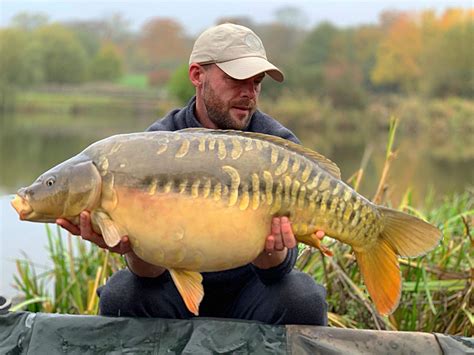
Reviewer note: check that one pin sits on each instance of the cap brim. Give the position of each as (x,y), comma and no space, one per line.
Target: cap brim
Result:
(244,68)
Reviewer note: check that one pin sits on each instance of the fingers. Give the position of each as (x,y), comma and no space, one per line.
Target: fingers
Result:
(71,228)
(86,225)
(281,235)
(276,233)
(320,234)
(125,246)
(287,233)
(270,244)
(86,231)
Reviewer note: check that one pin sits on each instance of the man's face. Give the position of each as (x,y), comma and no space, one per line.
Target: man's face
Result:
(230,103)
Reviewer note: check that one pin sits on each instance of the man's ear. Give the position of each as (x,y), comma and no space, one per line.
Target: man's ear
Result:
(196,73)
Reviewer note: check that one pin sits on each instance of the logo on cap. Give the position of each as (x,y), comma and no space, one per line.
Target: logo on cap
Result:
(253,42)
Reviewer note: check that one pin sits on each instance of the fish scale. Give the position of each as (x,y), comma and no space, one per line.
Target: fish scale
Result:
(202,200)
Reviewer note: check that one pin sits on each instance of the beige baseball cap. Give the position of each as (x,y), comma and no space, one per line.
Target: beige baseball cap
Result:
(236,49)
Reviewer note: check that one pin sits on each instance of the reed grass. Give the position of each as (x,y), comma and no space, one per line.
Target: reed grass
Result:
(70,286)
(437,290)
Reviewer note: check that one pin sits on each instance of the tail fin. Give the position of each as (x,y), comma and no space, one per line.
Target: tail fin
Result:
(404,235)
(381,273)
(408,235)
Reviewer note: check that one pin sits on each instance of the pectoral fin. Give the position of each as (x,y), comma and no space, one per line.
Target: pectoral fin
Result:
(315,242)
(189,285)
(110,230)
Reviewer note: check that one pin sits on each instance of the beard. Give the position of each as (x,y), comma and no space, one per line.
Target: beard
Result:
(218,111)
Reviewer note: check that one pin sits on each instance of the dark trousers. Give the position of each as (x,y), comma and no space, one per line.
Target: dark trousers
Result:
(295,299)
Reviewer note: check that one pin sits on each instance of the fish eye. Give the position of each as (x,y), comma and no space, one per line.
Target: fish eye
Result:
(50,181)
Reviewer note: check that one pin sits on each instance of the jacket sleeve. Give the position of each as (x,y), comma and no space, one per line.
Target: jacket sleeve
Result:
(275,274)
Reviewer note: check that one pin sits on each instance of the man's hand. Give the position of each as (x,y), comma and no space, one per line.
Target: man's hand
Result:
(85,230)
(135,264)
(277,243)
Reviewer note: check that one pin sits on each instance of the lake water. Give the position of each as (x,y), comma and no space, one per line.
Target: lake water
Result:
(32,144)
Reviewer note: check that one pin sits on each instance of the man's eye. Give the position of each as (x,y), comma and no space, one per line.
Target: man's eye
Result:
(259,80)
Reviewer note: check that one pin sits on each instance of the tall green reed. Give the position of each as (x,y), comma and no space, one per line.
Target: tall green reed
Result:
(79,268)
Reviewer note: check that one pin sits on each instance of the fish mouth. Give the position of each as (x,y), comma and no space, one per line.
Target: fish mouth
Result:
(22,207)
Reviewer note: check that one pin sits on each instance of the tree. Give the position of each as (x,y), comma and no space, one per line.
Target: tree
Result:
(20,59)
(64,59)
(237,20)
(107,65)
(316,46)
(28,21)
(115,28)
(88,33)
(179,84)
(425,52)
(398,56)
(292,17)
(448,59)
(305,71)
(366,40)
(164,42)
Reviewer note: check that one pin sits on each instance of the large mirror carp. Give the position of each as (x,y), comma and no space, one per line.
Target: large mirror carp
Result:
(202,200)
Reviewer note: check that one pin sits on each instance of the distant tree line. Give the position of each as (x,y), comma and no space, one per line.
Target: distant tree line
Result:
(405,53)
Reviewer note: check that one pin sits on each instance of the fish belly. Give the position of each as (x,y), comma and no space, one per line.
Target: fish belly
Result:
(179,231)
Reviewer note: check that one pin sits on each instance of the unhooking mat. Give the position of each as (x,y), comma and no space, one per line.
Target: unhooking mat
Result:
(47,334)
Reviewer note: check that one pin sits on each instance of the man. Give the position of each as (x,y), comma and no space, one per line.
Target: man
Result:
(227,66)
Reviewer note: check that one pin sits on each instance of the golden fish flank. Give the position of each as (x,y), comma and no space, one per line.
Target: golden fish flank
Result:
(150,186)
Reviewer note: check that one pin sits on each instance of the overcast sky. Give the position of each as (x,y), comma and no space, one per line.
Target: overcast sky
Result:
(196,15)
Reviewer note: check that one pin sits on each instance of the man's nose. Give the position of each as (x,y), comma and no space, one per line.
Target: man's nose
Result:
(249,89)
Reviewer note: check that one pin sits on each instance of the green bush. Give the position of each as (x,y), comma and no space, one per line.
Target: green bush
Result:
(179,85)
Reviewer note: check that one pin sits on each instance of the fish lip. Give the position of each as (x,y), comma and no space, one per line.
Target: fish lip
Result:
(22,206)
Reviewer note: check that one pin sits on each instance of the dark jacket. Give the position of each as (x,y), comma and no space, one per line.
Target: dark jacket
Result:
(261,123)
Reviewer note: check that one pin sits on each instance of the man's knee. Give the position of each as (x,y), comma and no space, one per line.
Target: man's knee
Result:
(128,295)
(304,299)
(116,296)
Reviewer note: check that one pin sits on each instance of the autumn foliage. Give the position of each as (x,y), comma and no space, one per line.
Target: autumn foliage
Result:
(425,52)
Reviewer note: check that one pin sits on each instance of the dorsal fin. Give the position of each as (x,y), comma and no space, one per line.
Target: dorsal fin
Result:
(319,159)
